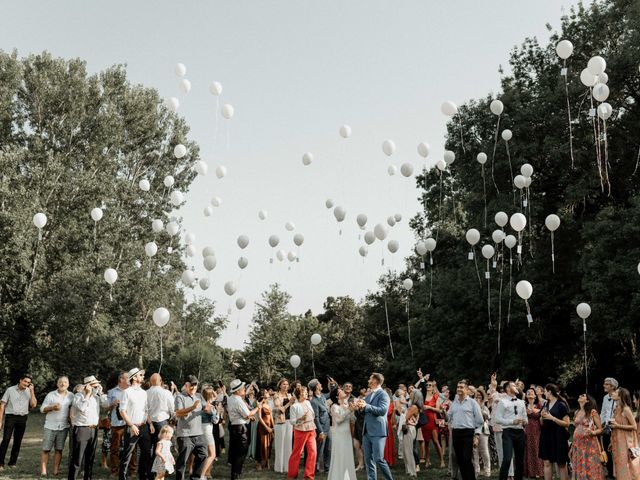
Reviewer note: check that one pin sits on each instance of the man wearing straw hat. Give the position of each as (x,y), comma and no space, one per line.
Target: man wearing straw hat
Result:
(86,411)
(239,416)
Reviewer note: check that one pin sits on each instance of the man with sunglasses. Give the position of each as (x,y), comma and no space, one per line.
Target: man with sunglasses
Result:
(14,408)
(511,415)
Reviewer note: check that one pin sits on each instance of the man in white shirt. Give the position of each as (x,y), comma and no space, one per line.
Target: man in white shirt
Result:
(511,415)
(161,407)
(15,405)
(134,411)
(86,414)
(606,414)
(239,416)
(56,406)
(114,396)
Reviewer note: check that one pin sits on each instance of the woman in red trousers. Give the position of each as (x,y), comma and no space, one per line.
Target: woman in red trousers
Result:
(304,434)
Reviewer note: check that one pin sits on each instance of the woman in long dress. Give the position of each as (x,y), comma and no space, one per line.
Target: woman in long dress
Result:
(342,465)
(390,445)
(265,430)
(283,431)
(554,435)
(533,465)
(585,449)
(624,437)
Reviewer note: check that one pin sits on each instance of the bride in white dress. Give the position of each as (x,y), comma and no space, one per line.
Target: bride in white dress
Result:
(342,465)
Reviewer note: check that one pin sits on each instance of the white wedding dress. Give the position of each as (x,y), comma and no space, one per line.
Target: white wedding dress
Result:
(342,466)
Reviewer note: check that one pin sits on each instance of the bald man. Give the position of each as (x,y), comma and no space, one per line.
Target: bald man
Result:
(161,407)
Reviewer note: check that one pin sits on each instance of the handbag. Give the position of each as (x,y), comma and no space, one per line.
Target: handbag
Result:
(603,455)
(634,452)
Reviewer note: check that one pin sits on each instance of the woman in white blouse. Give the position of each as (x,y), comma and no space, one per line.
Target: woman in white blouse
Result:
(342,465)
(304,434)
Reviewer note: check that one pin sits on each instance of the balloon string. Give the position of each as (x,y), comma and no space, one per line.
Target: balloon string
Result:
(95,233)
(461,137)
(313,364)
(488,293)
(586,371)
(215,130)
(111,293)
(510,284)
(386,312)
(475,259)
(553,255)
(566,91)
(493,157)
(430,278)
(439,208)
(500,295)
(526,302)
(606,155)
(484,192)
(513,188)
(161,354)
(453,198)
(596,139)
(529,223)
(409,328)
(637,162)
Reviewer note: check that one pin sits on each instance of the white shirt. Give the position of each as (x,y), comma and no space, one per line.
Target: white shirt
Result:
(115,394)
(17,401)
(510,409)
(134,403)
(57,419)
(87,410)
(299,409)
(160,404)
(608,407)
(238,410)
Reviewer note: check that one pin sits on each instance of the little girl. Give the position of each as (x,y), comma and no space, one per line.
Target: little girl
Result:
(163,463)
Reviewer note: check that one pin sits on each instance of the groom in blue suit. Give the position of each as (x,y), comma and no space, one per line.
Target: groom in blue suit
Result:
(374,436)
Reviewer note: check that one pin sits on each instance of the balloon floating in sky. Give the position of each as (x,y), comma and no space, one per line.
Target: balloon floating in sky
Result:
(524,289)
(209,262)
(262,214)
(363,250)
(596,65)
(172,104)
(316,339)
(583,310)
(380,231)
(473,236)
(185,85)
(507,134)
(144,185)
(179,151)
(392,170)
(215,89)
(96,214)
(188,277)
(180,69)
(243,241)
(110,276)
(424,149)
(369,237)
(228,111)
(449,108)
(496,107)
(564,49)
(481,158)
(294,361)
(168,181)
(298,239)
(274,240)
(240,303)
(407,284)
(177,198)
(230,288)
(345,131)
(204,283)
(201,167)
(243,262)
(393,246)
(216,201)
(221,171)
(388,147)
(340,213)
(361,220)
(449,157)
(328,203)
(161,317)
(157,225)
(501,219)
(307,158)
(406,169)
(290,226)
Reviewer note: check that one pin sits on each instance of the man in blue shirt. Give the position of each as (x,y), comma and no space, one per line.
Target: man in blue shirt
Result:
(465,417)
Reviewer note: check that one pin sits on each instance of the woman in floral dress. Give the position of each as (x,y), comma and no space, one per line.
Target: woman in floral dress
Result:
(585,449)
(533,466)
(624,437)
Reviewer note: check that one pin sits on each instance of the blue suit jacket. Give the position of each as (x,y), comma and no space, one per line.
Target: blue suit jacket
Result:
(375,414)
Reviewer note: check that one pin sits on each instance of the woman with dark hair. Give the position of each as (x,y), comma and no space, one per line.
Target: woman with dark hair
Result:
(636,403)
(624,438)
(342,465)
(283,432)
(390,444)
(554,435)
(304,435)
(533,466)
(265,430)
(585,449)
(252,403)
(409,433)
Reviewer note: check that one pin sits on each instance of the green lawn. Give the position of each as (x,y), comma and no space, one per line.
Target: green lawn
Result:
(28,463)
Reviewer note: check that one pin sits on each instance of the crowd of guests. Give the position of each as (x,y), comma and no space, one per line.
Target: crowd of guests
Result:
(151,429)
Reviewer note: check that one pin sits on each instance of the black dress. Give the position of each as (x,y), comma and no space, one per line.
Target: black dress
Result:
(554,439)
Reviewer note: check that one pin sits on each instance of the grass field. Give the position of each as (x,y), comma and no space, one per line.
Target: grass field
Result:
(28,463)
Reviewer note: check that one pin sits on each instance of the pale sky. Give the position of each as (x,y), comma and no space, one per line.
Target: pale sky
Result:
(295,71)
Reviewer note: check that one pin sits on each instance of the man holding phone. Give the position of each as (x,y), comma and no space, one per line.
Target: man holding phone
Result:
(14,408)
(606,415)
(511,415)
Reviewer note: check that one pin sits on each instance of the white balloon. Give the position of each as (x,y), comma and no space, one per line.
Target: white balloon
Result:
(473,236)
(328,203)
(189,238)
(150,249)
(316,339)
(290,226)
(441,165)
(393,246)
(307,158)
(262,214)
(340,213)
(527,182)
(380,231)
(180,69)
(430,244)
(208,211)
(406,169)
(603,78)
(230,288)
(204,283)
(564,49)
(449,108)
(281,255)
(96,214)
(291,256)
(144,185)
(215,89)
(583,310)
(179,151)
(243,262)
(501,219)
(496,107)
(216,201)
(361,220)
(176,198)
(295,359)
(392,170)
(208,252)
(600,92)
(524,289)
(398,217)
(488,251)
(391,221)
(240,303)
(481,158)
(424,149)
(388,147)
(605,110)
(363,250)
(172,104)
(407,284)
(228,111)
(188,277)
(552,222)
(449,157)
(110,276)
(172,228)
(369,237)
(274,240)
(507,134)
(161,317)
(497,236)
(221,171)
(421,248)
(243,241)
(596,65)
(168,181)
(157,225)
(519,181)
(201,167)
(185,85)
(510,241)
(191,251)
(345,131)
(298,239)
(526,170)
(518,221)
(587,78)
